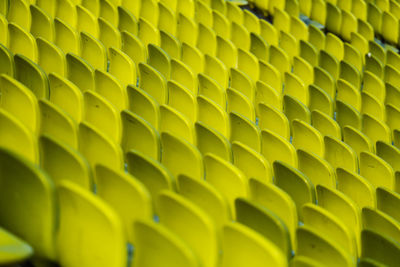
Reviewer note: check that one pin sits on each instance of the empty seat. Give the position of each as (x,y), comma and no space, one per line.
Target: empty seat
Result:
(357,140)
(50,57)
(325,124)
(213,115)
(274,120)
(307,138)
(340,155)
(93,51)
(244,130)
(208,140)
(376,170)
(80,72)
(275,147)
(386,253)
(174,122)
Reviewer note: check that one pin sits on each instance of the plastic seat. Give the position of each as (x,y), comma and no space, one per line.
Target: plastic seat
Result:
(303,70)
(330,227)
(57,123)
(126,195)
(122,67)
(182,74)
(320,100)
(264,222)
(325,81)
(288,44)
(252,163)
(15,250)
(306,137)
(376,170)
(298,28)
(66,37)
(174,122)
(110,88)
(7,61)
(203,242)
(221,24)
(267,95)
(308,52)
(311,244)
(62,162)
(127,20)
(339,154)
(239,103)
(329,63)
(159,60)
(22,42)
(139,135)
(371,106)
(315,36)
(133,47)
(206,197)
(356,188)
(19,13)
(66,12)
(248,63)
(187,161)
(170,44)
(350,74)
(325,124)
(77,206)
(375,130)
(192,57)
(389,27)
(80,72)
(251,22)
(295,87)
(147,33)
(347,93)
(98,148)
(20,102)
(281,20)
(100,113)
(374,17)
(353,56)
(316,168)
(209,140)
(374,86)
(392,58)
(295,183)
(233,12)
(374,65)
(212,115)
(358,141)
(381,223)
(30,189)
(152,82)
(203,13)
(109,35)
(294,109)
(259,47)
(187,30)
(216,69)
(209,88)
(92,6)
(42,25)
(206,40)
(182,100)
(240,36)
(279,59)
(109,12)
(359,42)
(227,179)
(269,33)
(274,147)
(386,253)
(86,21)
(391,75)
(389,154)
(271,76)
(50,57)
(365,29)
(392,117)
(274,120)
(348,25)
(93,51)
(253,249)
(347,115)
(392,94)
(151,238)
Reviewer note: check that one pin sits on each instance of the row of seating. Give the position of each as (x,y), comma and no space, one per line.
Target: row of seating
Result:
(219,115)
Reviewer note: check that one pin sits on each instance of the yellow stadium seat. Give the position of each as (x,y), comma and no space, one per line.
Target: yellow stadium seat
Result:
(347,115)
(359,42)
(66,12)
(294,109)
(203,13)
(159,60)
(203,242)
(315,36)
(292,7)
(22,42)
(296,88)
(240,36)
(259,47)
(174,122)
(295,183)
(98,148)
(66,37)
(333,18)
(243,245)
(324,80)
(329,63)
(375,129)
(274,147)
(31,189)
(109,35)
(392,114)
(62,162)
(269,33)
(187,30)
(51,58)
(325,125)
(111,89)
(132,6)
(187,161)
(182,100)
(388,153)
(387,201)
(353,56)
(316,168)
(127,21)
(209,88)
(318,11)
(206,197)
(80,72)
(92,6)
(76,206)
(209,140)
(312,244)
(307,138)
(206,40)
(170,44)
(167,19)
(271,76)
(389,27)
(152,81)
(192,57)
(126,195)
(109,12)
(376,170)
(358,141)
(303,70)
(244,130)
(381,223)
(392,94)
(4,36)
(288,43)
(374,86)
(93,51)
(349,24)
(147,33)
(20,102)
(212,115)
(121,66)
(15,249)
(279,59)
(217,70)
(7,65)
(221,25)
(308,52)
(239,103)
(182,74)
(264,222)
(348,93)
(134,48)
(350,74)
(19,13)
(348,157)
(274,120)
(248,63)
(149,11)
(378,51)
(86,21)
(140,135)
(42,24)
(267,95)
(320,100)
(281,20)
(373,65)
(233,12)
(371,106)
(57,123)
(226,52)
(227,179)
(386,253)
